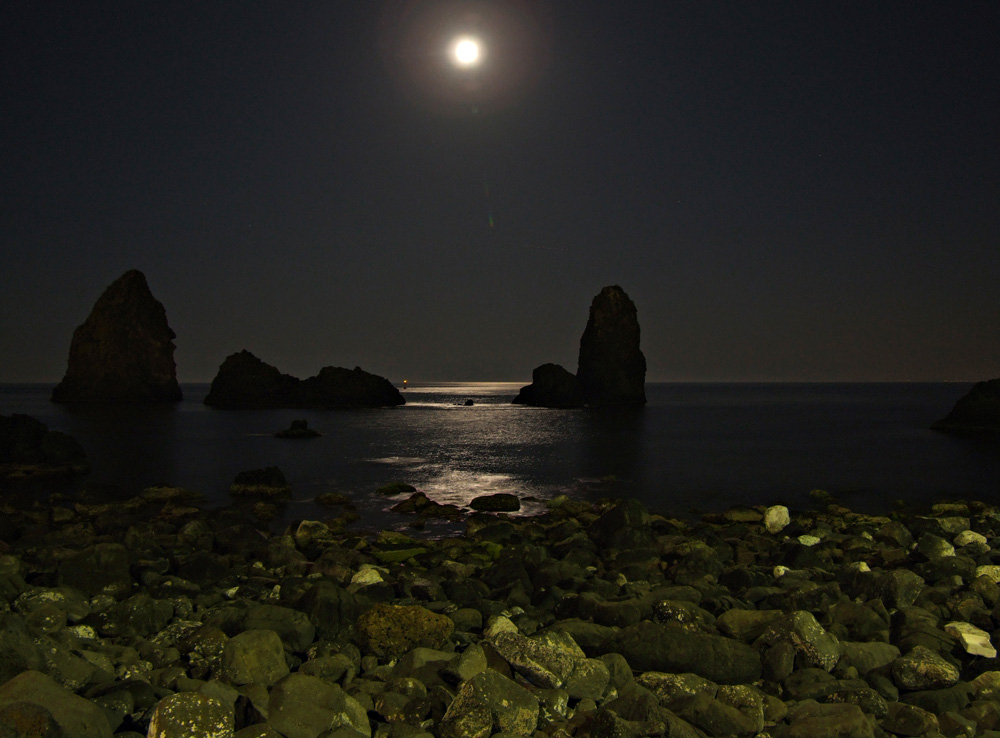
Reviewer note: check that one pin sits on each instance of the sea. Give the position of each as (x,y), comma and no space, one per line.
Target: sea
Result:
(693,449)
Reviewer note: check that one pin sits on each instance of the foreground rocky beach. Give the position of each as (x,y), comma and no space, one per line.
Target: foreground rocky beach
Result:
(152,617)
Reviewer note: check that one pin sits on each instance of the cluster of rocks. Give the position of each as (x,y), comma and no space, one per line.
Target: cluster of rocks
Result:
(149,617)
(611,369)
(244,381)
(29,449)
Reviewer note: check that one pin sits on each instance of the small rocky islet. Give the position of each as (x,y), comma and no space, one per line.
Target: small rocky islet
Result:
(151,616)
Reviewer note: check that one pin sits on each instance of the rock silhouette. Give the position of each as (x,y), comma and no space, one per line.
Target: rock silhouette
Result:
(124,351)
(244,381)
(976,412)
(611,368)
(551,386)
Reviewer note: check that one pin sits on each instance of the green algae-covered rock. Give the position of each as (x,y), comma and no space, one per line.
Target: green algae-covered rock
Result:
(392,630)
(490,702)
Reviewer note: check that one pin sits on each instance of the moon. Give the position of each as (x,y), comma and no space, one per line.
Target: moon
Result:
(466,51)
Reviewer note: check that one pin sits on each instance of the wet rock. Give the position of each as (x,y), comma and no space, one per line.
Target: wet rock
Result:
(189,713)
(670,648)
(103,568)
(833,720)
(76,716)
(488,703)
(303,706)
(922,668)
(498,502)
(812,644)
(254,657)
(266,482)
(124,351)
(391,630)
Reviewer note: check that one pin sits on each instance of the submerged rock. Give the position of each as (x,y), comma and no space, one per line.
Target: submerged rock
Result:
(124,351)
(976,412)
(298,429)
(244,381)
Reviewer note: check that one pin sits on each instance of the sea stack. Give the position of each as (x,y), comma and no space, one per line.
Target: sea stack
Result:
(611,368)
(244,382)
(976,412)
(124,351)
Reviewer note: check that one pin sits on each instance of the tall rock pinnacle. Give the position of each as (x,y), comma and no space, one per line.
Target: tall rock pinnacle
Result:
(124,351)
(612,369)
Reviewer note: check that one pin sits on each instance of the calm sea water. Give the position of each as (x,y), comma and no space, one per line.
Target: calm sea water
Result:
(693,448)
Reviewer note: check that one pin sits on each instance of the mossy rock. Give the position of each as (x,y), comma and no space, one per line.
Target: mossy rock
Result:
(266,482)
(392,630)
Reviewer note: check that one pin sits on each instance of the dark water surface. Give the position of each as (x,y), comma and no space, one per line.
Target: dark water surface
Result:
(693,448)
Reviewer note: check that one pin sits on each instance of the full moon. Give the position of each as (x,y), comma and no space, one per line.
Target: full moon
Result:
(466,52)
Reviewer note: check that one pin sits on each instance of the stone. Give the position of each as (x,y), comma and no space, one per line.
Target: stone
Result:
(78,717)
(244,381)
(551,386)
(103,568)
(904,719)
(124,351)
(975,641)
(671,648)
(978,411)
(303,706)
(834,720)
(254,657)
(489,703)
(292,626)
(813,645)
(776,519)
(266,482)
(189,713)
(497,502)
(391,630)
(922,668)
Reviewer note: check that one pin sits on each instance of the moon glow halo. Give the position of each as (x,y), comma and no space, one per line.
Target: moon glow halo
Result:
(466,51)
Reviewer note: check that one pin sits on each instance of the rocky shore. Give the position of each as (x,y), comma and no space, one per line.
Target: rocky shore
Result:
(148,616)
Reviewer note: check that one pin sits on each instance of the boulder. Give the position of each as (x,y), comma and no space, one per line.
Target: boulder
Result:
(303,706)
(244,381)
(189,713)
(392,630)
(124,351)
(612,368)
(551,386)
(976,412)
(487,703)
(673,649)
(78,717)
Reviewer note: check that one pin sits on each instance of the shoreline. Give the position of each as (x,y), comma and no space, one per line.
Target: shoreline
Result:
(591,619)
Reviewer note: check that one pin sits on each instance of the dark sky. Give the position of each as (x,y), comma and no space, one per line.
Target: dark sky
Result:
(787,190)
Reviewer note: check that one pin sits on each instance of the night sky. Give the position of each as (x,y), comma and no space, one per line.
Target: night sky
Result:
(788,191)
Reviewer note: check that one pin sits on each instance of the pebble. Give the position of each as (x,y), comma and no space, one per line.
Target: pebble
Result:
(593,620)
